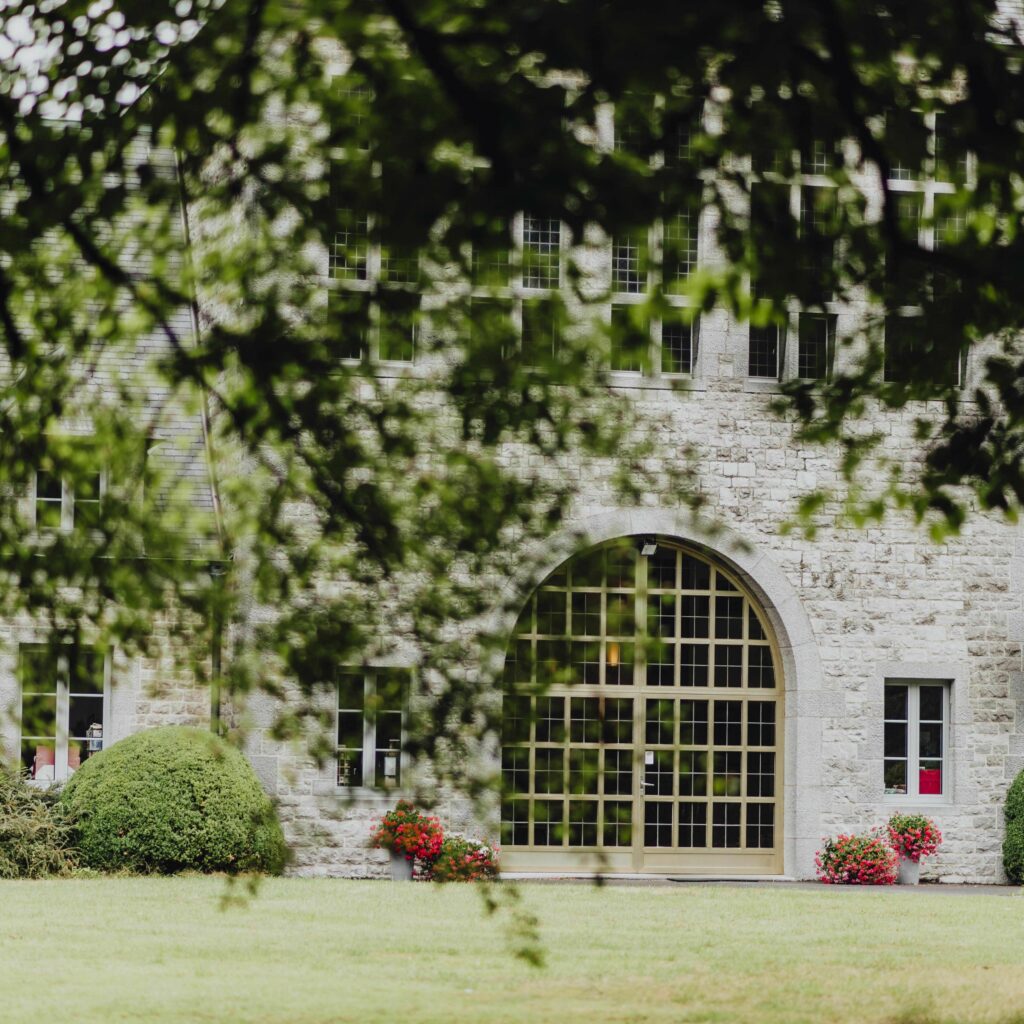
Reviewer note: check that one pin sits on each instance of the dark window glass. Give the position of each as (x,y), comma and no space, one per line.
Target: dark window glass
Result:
(763,357)
(815,345)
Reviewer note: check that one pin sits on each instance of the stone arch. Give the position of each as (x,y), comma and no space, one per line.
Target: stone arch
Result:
(801,666)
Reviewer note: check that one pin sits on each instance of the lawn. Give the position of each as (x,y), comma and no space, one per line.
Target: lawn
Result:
(318,951)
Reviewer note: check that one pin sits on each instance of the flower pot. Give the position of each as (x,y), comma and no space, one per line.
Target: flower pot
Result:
(401,869)
(910,872)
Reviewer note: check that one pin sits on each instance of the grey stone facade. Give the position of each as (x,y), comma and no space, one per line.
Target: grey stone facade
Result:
(850,609)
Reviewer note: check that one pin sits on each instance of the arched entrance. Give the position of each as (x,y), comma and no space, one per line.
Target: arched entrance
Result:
(643,719)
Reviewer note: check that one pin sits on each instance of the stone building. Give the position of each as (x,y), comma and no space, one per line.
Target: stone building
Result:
(738,693)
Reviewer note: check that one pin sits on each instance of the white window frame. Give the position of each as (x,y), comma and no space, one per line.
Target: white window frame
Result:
(369,781)
(374,282)
(929,187)
(913,794)
(514,294)
(655,238)
(787,357)
(67,503)
(63,713)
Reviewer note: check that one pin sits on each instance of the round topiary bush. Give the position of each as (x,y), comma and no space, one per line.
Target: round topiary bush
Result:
(173,799)
(1013,845)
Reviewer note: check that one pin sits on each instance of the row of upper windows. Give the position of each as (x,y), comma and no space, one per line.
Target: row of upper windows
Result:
(788,197)
(639,345)
(920,145)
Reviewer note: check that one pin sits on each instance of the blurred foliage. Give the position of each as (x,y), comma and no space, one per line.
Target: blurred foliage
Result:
(350,504)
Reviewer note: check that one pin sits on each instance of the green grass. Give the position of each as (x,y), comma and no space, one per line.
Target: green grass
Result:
(319,951)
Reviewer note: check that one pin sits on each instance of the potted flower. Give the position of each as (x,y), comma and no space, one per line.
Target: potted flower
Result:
(912,836)
(409,836)
(464,860)
(856,860)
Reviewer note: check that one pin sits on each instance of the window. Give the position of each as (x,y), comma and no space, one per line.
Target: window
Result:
(643,712)
(63,709)
(371,709)
(793,212)
(516,279)
(928,167)
(374,300)
(57,504)
(763,357)
(909,357)
(664,253)
(815,345)
(916,738)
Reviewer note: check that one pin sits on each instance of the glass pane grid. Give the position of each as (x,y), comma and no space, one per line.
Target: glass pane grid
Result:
(348,257)
(492,267)
(813,347)
(629,258)
(399,264)
(680,246)
(541,252)
(676,348)
(701,761)
(763,358)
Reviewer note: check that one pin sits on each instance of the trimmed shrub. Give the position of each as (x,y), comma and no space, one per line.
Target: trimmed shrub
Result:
(173,799)
(35,836)
(1013,844)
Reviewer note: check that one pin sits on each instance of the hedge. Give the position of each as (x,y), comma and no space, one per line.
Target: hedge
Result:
(1013,845)
(173,799)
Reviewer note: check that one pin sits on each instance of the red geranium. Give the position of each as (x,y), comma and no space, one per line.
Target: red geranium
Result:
(407,831)
(464,860)
(856,860)
(913,836)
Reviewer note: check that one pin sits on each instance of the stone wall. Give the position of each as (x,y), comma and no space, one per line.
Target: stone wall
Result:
(851,608)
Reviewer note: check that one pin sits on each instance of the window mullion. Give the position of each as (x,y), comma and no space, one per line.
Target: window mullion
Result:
(60,770)
(369,731)
(913,742)
(67,505)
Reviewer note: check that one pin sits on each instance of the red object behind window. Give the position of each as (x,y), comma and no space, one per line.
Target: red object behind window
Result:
(930,782)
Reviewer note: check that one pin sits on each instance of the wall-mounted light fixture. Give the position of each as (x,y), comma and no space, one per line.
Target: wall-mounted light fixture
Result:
(650,545)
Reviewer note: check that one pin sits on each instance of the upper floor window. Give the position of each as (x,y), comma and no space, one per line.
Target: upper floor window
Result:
(371,725)
(374,300)
(516,280)
(60,504)
(64,699)
(764,355)
(658,256)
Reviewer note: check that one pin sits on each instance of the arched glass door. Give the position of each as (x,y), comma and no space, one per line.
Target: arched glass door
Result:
(642,719)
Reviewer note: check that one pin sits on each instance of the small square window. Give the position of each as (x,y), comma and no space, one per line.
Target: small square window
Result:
(61,502)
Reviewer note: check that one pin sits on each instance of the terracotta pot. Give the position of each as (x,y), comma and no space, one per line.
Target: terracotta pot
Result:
(401,869)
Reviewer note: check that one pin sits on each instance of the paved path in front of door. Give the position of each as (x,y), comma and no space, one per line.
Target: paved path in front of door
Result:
(786,884)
